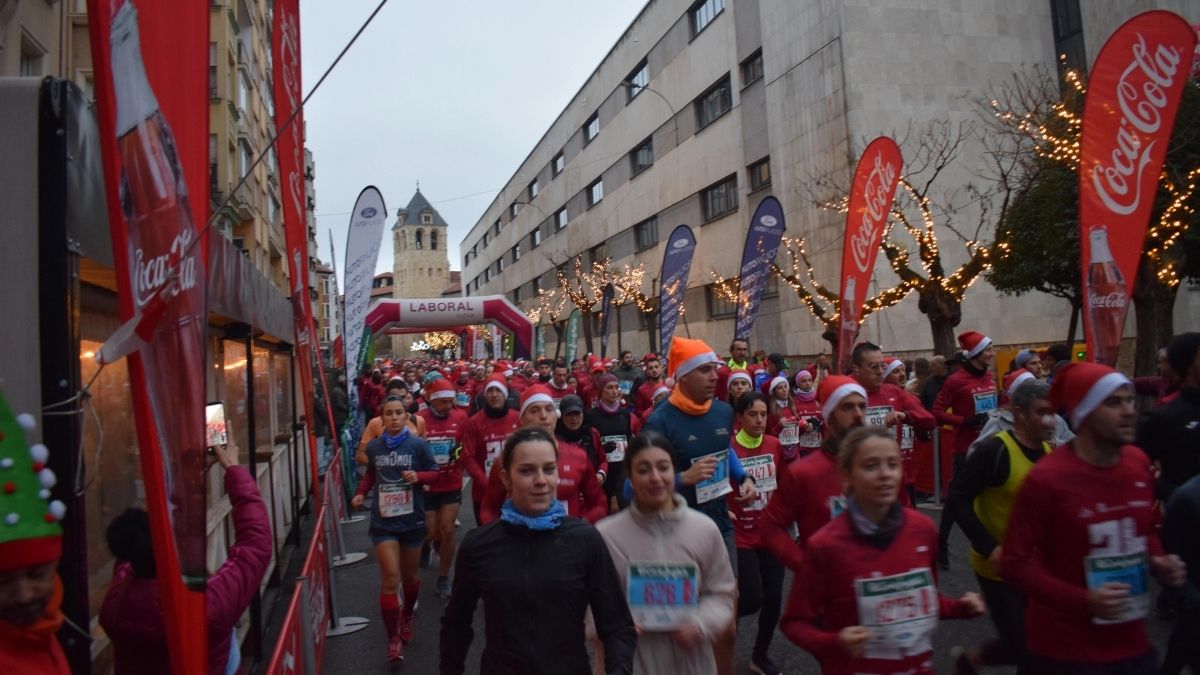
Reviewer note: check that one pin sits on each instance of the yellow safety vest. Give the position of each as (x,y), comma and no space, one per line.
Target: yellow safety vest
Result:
(993,506)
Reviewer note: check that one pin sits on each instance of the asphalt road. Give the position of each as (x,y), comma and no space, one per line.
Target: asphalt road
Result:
(364,652)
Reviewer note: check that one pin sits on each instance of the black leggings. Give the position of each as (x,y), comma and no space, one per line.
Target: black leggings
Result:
(947,522)
(760,587)
(1006,605)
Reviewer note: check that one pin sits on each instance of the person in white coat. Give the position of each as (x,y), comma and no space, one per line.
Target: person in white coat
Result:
(673,566)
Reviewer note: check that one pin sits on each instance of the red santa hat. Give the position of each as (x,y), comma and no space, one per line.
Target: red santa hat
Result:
(833,389)
(739,374)
(538,393)
(496,381)
(662,389)
(973,343)
(778,380)
(439,389)
(1015,379)
(649,357)
(890,364)
(1080,388)
(687,355)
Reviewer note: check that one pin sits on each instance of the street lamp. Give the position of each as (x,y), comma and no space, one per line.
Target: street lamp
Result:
(630,87)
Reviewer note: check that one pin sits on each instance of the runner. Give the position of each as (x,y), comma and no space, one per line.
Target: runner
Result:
(809,410)
(1179,537)
(964,402)
(643,395)
(785,421)
(737,384)
(661,394)
(580,486)
(537,572)
(444,421)
(1169,432)
(700,429)
(982,495)
(398,463)
(612,427)
(760,578)
(811,492)
(867,600)
(627,373)
(674,566)
(559,387)
(739,359)
(374,428)
(1002,419)
(482,439)
(1081,539)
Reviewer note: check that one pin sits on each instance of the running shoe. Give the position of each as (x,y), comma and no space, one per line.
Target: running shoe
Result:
(764,666)
(443,587)
(406,627)
(395,648)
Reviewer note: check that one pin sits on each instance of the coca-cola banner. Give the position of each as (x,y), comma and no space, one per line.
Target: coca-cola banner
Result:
(1132,95)
(677,263)
(871,196)
(362,252)
(762,243)
(150,64)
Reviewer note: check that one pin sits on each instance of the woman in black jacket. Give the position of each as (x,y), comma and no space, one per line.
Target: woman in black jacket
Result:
(538,571)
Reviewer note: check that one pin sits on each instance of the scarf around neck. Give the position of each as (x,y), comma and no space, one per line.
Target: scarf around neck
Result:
(747,441)
(550,520)
(611,409)
(392,442)
(807,396)
(687,406)
(881,534)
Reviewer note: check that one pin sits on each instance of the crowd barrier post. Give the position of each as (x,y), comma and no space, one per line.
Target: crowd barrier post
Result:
(334,524)
(344,516)
(338,625)
(308,644)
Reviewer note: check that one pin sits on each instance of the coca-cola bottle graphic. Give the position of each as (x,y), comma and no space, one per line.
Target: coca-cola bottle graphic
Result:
(163,259)
(1106,298)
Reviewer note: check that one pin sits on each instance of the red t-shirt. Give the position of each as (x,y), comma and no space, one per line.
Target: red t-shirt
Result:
(482,440)
(443,435)
(890,398)
(810,493)
(1066,511)
(578,488)
(764,463)
(824,596)
(966,394)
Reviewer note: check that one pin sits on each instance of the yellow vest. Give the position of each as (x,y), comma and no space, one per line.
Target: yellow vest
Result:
(994,505)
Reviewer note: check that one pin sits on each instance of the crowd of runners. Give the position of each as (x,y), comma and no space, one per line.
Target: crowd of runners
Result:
(630,510)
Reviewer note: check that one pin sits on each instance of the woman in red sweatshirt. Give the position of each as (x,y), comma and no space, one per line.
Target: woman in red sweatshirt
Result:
(867,601)
(785,423)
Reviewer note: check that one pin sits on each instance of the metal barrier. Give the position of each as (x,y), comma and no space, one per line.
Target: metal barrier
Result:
(335,500)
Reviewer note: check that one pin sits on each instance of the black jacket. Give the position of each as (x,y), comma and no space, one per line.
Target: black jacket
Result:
(1170,434)
(1179,537)
(536,588)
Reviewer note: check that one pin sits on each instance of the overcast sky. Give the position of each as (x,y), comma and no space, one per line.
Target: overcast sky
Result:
(451,93)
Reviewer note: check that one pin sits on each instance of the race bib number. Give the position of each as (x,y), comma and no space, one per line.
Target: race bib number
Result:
(462,398)
(662,595)
(810,439)
(718,485)
(907,436)
(626,386)
(762,468)
(618,445)
(1131,569)
(901,611)
(494,448)
(395,499)
(985,402)
(837,504)
(441,448)
(876,415)
(789,433)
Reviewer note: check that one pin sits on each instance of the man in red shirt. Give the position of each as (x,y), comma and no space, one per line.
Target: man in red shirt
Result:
(651,380)
(483,438)
(964,402)
(888,406)
(810,489)
(1082,538)
(444,421)
(558,384)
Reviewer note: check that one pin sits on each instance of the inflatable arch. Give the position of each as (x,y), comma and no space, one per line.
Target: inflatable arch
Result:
(402,316)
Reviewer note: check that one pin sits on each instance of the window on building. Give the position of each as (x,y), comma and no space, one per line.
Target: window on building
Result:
(1068,34)
(713,103)
(212,164)
(212,70)
(33,56)
(533,189)
(516,253)
(637,81)
(642,157)
(499,265)
(720,199)
(596,192)
(535,237)
(426,217)
(536,285)
(760,174)
(244,89)
(512,211)
(516,295)
(752,68)
(558,164)
(703,13)
(486,239)
(487,274)
(645,233)
(433,240)
(419,239)
(560,219)
(597,253)
(591,128)
(497,226)
(245,158)
(718,307)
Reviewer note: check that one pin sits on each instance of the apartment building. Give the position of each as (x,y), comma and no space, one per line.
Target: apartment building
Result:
(702,108)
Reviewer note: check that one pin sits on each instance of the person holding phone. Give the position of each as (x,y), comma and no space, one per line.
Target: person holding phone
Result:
(398,464)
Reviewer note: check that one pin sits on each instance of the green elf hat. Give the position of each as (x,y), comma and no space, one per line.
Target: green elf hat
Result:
(29,530)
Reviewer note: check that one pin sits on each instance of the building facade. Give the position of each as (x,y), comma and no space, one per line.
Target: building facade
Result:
(701,109)
(420,259)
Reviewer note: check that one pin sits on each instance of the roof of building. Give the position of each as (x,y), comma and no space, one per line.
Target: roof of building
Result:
(411,214)
(454,289)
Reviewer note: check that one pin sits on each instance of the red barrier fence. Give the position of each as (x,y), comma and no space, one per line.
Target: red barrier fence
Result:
(924,461)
